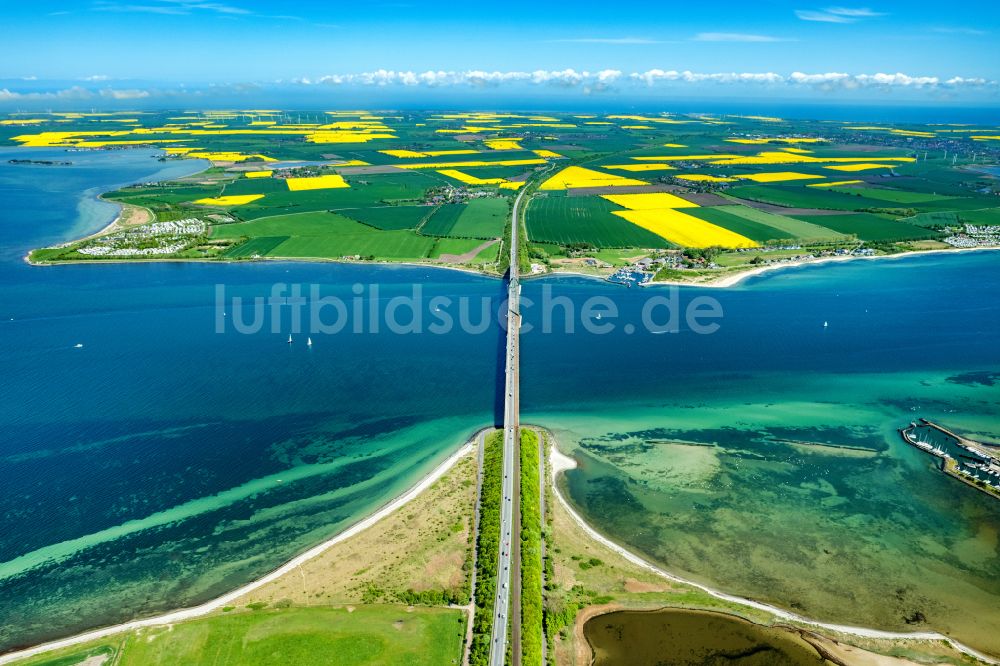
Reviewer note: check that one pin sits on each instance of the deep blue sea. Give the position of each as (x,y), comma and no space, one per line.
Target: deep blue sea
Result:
(163,462)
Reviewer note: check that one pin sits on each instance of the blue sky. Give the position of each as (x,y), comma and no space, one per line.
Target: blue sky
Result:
(946,51)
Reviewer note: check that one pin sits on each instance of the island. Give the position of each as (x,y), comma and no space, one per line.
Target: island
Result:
(637,199)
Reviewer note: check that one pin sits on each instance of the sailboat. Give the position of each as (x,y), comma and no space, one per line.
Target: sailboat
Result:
(289,339)
(826,324)
(309,342)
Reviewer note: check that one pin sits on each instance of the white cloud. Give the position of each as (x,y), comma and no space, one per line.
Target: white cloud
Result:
(96,77)
(837,14)
(605,79)
(76,92)
(862,12)
(582,81)
(110,93)
(735,37)
(170,7)
(975,32)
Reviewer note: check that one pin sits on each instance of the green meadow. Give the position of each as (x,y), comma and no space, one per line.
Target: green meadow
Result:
(365,634)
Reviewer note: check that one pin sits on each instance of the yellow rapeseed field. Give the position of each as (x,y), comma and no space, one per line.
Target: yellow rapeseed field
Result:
(227,156)
(674,145)
(649,201)
(328,182)
(470,179)
(683,229)
(546,153)
(860,167)
(778,177)
(640,167)
(259,174)
(471,163)
(686,158)
(230,200)
(503,144)
(837,184)
(574,176)
(703,178)
(431,153)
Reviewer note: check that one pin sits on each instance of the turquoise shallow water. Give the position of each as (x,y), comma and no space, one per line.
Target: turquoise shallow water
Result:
(163,463)
(764,459)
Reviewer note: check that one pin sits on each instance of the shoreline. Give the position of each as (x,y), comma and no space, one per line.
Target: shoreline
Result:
(212,605)
(561,463)
(722,282)
(262,260)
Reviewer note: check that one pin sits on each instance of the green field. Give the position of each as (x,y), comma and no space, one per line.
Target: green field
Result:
(258,246)
(443,220)
(328,236)
(566,220)
(479,218)
(894,196)
(874,228)
(789,226)
(933,219)
(988,216)
(482,218)
(389,218)
(463,245)
(793,196)
(370,634)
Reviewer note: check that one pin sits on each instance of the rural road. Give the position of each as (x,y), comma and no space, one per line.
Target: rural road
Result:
(502,607)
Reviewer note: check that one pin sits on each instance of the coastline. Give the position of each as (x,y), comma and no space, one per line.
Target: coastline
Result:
(561,463)
(212,605)
(274,260)
(728,280)
(736,277)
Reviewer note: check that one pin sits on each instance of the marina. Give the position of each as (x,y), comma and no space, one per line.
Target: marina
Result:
(971,462)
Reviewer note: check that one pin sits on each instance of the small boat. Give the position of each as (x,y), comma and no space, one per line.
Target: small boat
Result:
(309,342)
(289,339)
(826,324)
(78,345)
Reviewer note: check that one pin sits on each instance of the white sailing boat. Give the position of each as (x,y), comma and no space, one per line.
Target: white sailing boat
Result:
(289,339)
(309,342)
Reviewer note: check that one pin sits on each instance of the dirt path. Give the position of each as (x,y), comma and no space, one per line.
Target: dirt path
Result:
(468,256)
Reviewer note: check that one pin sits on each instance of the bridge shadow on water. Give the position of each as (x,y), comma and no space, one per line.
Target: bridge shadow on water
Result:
(500,375)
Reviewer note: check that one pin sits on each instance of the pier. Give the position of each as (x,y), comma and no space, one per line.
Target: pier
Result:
(970,462)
